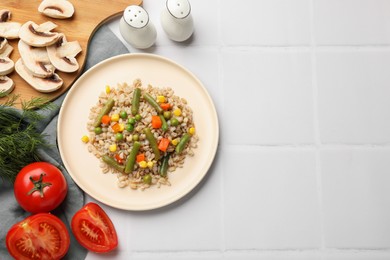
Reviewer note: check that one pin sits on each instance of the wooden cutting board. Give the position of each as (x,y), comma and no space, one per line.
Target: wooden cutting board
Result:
(88,17)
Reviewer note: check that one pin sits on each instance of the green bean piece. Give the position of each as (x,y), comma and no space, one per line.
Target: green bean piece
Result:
(153,143)
(183,142)
(164,125)
(111,162)
(164,165)
(130,162)
(153,103)
(105,110)
(135,102)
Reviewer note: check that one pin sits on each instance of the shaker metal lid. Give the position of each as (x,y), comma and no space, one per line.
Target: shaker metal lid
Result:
(136,16)
(179,8)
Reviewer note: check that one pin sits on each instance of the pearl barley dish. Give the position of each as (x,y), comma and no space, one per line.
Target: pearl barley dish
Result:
(141,133)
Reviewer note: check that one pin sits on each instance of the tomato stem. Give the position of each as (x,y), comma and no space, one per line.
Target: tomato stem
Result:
(39,185)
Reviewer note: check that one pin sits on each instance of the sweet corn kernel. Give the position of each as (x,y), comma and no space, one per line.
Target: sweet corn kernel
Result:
(161,99)
(121,127)
(150,164)
(175,141)
(115,118)
(191,130)
(85,139)
(177,112)
(143,164)
(112,147)
(108,89)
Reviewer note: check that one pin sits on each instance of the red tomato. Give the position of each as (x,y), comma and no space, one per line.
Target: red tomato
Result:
(40,187)
(40,236)
(93,229)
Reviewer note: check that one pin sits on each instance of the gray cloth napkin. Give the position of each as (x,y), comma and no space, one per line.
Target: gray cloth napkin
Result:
(104,44)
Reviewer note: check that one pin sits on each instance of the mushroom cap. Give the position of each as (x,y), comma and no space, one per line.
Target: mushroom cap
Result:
(60,9)
(6,85)
(44,85)
(38,35)
(62,55)
(6,66)
(10,30)
(36,60)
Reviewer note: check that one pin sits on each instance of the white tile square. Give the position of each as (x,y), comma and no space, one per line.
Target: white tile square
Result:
(265,22)
(274,255)
(270,198)
(352,22)
(353,96)
(268,97)
(356,197)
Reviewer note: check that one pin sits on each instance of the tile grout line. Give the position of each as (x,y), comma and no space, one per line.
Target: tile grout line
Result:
(316,126)
(220,88)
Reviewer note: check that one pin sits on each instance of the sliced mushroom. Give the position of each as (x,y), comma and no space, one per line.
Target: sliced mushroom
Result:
(62,54)
(6,85)
(10,30)
(60,9)
(5,15)
(6,51)
(3,43)
(36,60)
(40,84)
(38,35)
(6,64)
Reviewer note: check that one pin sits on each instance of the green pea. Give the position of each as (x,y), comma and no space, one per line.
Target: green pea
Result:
(138,117)
(174,122)
(123,114)
(147,179)
(135,137)
(167,114)
(129,127)
(132,121)
(98,130)
(119,136)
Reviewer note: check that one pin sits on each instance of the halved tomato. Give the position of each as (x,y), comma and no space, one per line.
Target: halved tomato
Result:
(93,229)
(40,236)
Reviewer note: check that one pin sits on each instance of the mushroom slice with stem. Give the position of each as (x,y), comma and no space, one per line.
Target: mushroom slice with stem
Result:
(6,64)
(6,85)
(9,30)
(60,9)
(44,85)
(36,60)
(38,35)
(62,54)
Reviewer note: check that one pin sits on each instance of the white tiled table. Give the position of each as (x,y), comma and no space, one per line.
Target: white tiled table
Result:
(302,90)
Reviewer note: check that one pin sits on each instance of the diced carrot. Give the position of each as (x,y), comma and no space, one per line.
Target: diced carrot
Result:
(163,145)
(116,128)
(140,157)
(165,106)
(106,119)
(156,122)
(118,158)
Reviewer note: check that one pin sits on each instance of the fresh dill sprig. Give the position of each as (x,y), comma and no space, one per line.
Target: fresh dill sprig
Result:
(19,138)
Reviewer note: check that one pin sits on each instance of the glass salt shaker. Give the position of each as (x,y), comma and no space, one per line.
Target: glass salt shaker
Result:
(176,20)
(136,28)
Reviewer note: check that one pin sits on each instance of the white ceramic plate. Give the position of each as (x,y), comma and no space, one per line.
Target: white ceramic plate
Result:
(159,72)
